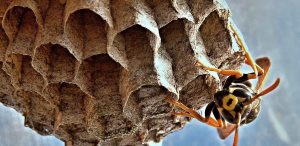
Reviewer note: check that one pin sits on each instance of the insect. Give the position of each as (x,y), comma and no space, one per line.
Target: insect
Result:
(237,103)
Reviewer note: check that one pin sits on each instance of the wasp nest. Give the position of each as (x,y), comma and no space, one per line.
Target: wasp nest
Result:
(96,72)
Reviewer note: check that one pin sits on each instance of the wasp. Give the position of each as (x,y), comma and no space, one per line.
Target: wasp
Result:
(238,103)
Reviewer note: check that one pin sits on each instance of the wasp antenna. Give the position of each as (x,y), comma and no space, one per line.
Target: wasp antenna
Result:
(271,88)
(264,92)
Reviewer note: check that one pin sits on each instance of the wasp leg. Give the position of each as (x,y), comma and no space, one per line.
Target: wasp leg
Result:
(236,134)
(182,114)
(260,70)
(252,75)
(235,73)
(211,107)
(243,47)
(224,123)
(218,117)
(264,92)
(192,113)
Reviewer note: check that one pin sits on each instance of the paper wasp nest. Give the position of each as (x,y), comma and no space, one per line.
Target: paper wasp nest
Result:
(96,72)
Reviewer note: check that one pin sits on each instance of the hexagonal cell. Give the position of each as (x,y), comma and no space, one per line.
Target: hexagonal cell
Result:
(87,32)
(55,63)
(71,104)
(200,9)
(99,76)
(138,50)
(53,27)
(140,56)
(215,37)
(70,101)
(21,27)
(158,6)
(31,80)
(176,42)
(150,101)
(105,118)
(200,90)
(74,106)
(23,75)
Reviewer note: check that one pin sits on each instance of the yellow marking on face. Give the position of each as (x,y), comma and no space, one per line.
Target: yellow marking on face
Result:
(233,103)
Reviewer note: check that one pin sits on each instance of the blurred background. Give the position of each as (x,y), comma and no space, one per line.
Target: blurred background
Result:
(270,28)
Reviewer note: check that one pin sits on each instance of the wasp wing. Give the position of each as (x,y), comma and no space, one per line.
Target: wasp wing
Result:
(224,133)
(265,64)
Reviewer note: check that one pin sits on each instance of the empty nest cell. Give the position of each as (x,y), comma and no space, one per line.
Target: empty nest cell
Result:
(72,103)
(87,32)
(21,26)
(175,39)
(215,38)
(23,75)
(55,63)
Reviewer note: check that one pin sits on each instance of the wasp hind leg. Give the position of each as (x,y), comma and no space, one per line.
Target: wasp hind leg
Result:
(249,59)
(191,113)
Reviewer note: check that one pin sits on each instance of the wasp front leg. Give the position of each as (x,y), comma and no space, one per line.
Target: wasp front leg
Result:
(265,63)
(235,73)
(248,56)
